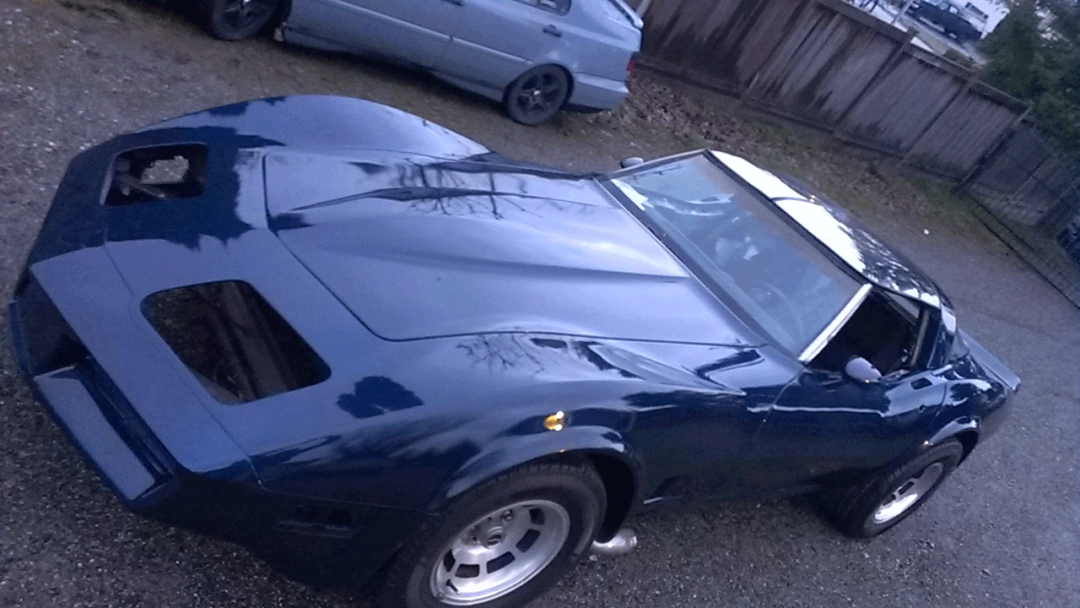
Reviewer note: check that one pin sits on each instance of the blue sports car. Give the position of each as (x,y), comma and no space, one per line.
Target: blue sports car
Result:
(325,326)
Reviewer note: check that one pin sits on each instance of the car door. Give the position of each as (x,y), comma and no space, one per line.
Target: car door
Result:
(828,422)
(951,19)
(415,31)
(497,40)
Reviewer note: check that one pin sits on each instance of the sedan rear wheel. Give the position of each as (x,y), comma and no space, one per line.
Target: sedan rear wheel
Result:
(880,502)
(537,95)
(501,544)
(239,19)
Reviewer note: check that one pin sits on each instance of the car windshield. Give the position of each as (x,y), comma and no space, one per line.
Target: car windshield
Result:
(732,238)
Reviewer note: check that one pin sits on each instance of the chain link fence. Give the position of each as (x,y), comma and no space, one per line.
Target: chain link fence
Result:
(1029,195)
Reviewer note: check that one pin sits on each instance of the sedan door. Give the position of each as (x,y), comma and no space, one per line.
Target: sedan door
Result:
(497,40)
(415,31)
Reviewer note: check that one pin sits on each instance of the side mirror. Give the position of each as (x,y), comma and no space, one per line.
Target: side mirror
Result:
(631,161)
(861,370)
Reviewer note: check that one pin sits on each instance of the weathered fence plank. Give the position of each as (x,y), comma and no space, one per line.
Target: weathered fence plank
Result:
(980,119)
(828,64)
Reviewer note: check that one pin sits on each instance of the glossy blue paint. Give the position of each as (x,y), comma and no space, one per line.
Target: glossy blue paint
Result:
(458,298)
(487,248)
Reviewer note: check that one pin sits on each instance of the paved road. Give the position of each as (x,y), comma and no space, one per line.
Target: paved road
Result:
(1003,532)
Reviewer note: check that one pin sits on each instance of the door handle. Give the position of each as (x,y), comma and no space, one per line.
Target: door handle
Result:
(552,30)
(457,2)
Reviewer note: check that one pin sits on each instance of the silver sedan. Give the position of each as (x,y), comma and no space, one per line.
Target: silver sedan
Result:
(536,57)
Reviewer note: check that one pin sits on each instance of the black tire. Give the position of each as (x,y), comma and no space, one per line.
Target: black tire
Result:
(239,19)
(427,561)
(878,503)
(537,95)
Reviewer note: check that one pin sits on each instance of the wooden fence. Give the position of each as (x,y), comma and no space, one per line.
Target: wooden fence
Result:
(828,64)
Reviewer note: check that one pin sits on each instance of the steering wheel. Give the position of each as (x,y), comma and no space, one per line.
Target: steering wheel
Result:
(771,296)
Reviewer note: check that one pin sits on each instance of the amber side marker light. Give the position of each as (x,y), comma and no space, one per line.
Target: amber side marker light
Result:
(555,421)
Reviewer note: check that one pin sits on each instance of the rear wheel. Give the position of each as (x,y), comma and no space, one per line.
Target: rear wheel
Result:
(869,508)
(239,19)
(537,95)
(501,544)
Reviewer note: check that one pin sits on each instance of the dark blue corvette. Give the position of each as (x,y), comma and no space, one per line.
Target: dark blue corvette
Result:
(320,319)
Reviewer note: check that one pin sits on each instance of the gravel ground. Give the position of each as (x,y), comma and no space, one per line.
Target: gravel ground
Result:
(1002,532)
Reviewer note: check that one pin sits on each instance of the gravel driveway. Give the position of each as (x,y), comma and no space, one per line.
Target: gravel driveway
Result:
(1002,532)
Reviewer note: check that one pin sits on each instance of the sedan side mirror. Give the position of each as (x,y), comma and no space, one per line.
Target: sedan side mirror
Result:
(861,370)
(631,161)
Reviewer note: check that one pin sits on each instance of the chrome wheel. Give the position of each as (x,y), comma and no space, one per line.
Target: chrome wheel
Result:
(499,552)
(907,495)
(882,499)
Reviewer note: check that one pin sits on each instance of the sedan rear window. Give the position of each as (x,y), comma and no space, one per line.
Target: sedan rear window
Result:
(732,238)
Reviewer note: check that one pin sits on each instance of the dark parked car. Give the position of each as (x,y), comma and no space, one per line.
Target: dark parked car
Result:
(1069,239)
(535,57)
(320,322)
(947,16)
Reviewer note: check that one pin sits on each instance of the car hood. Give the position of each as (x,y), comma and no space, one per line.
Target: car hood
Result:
(322,121)
(422,247)
(419,231)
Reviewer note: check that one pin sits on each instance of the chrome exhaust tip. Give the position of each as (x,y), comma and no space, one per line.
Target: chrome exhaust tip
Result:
(622,543)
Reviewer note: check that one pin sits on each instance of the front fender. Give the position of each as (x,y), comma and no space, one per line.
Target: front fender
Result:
(953,429)
(970,413)
(514,451)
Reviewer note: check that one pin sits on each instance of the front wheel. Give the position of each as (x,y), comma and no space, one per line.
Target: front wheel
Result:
(537,95)
(501,544)
(239,19)
(869,508)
